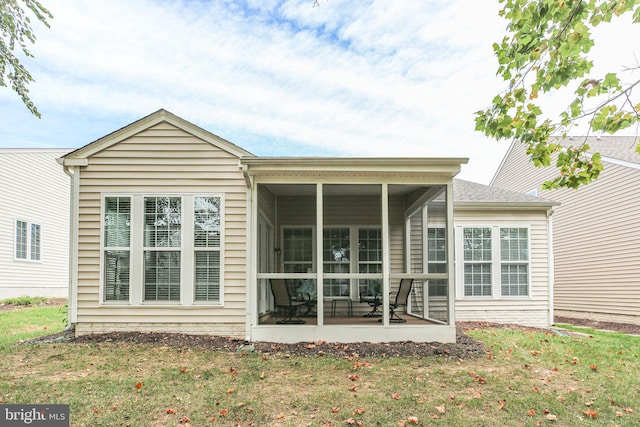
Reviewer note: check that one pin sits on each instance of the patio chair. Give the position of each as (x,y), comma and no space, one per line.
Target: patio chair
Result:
(402,296)
(283,301)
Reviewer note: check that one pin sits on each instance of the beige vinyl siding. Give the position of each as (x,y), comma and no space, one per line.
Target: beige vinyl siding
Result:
(162,160)
(34,189)
(532,310)
(596,232)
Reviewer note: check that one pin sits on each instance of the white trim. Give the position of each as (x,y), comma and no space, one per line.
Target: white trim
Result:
(319,255)
(550,264)
(72,302)
(386,253)
(451,277)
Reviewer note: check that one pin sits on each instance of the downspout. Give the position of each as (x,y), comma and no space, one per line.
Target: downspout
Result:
(249,301)
(72,301)
(551,263)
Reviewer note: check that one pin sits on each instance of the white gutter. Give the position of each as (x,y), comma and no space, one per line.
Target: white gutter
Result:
(550,264)
(72,301)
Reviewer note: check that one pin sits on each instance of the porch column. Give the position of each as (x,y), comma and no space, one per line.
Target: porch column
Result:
(320,255)
(450,256)
(386,269)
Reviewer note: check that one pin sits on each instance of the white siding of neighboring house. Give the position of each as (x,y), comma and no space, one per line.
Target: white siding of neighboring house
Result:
(532,310)
(34,188)
(161,160)
(596,238)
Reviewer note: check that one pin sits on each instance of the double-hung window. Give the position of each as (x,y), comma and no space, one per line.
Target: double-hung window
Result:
(477,261)
(514,257)
(27,241)
(163,248)
(495,261)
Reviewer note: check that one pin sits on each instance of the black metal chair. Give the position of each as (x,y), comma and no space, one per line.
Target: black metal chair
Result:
(402,296)
(283,301)
(374,301)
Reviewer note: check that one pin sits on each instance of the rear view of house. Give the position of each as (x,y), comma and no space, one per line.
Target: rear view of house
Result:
(177,229)
(34,224)
(596,230)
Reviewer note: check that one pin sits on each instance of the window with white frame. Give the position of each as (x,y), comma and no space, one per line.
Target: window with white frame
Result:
(514,256)
(144,237)
(27,241)
(477,261)
(207,248)
(495,261)
(117,248)
(162,248)
(297,254)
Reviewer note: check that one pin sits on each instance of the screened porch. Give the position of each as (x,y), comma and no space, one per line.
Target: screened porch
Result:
(330,258)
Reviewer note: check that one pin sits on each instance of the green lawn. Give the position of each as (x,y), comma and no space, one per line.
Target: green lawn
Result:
(528,379)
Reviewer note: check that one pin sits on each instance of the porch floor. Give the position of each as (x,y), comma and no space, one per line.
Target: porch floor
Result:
(355,320)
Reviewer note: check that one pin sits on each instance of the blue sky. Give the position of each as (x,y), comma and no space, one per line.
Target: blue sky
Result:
(276,77)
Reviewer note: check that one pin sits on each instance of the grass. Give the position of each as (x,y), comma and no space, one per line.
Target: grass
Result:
(528,379)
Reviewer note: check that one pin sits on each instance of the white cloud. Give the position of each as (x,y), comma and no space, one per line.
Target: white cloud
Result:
(362,78)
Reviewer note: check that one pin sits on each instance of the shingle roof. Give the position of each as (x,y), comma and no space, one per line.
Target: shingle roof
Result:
(616,147)
(466,192)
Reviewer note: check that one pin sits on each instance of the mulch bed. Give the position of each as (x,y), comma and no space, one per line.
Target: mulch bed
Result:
(465,347)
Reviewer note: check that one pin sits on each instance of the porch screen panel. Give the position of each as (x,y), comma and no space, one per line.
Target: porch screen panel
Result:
(438,289)
(207,230)
(416,260)
(162,243)
(117,248)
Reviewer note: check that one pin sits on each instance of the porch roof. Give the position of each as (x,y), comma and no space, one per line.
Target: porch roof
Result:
(444,166)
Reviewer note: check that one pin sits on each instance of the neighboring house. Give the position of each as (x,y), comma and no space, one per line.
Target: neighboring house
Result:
(175,229)
(596,230)
(34,224)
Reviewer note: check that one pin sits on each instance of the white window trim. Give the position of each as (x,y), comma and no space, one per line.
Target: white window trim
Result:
(186,248)
(496,263)
(29,237)
(354,260)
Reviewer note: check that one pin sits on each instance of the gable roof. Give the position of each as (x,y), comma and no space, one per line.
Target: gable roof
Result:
(78,157)
(472,194)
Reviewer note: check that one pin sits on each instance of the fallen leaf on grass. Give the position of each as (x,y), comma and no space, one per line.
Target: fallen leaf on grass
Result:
(353,377)
(353,388)
(590,413)
(139,386)
(171,411)
(531,412)
(280,416)
(395,396)
(335,409)
(593,368)
(223,412)
(441,409)
(413,419)
(262,375)
(628,410)
(358,411)
(551,417)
